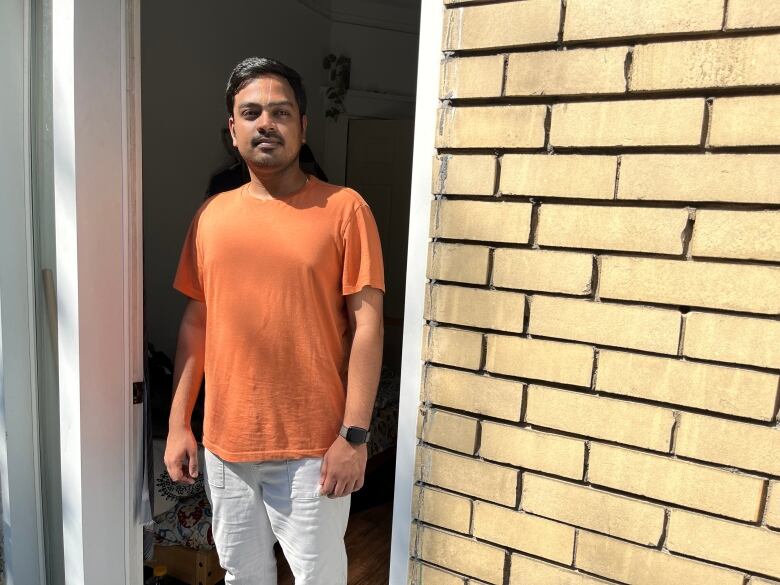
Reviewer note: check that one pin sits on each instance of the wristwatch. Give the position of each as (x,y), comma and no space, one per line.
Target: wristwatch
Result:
(355,435)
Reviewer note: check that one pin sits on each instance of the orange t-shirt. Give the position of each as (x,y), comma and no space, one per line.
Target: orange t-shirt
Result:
(273,275)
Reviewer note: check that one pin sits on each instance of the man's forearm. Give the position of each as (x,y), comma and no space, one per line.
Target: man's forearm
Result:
(188,373)
(365,364)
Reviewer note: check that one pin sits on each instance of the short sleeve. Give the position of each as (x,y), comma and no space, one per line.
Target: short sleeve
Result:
(188,278)
(363,264)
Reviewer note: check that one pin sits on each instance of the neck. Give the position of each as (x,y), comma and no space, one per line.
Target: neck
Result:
(278,183)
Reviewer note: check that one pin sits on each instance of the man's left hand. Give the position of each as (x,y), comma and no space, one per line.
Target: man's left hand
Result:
(343,468)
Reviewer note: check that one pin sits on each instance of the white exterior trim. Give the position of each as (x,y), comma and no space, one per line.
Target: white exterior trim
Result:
(429,58)
(19,447)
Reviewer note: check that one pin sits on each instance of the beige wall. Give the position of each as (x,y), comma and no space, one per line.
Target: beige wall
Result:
(603,345)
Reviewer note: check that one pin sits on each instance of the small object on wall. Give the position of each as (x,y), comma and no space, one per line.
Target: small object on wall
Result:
(338,83)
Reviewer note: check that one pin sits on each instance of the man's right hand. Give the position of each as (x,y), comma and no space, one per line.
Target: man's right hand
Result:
(181,455)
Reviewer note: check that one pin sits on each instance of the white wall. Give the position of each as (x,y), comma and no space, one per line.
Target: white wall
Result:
(188,51)
(382,60)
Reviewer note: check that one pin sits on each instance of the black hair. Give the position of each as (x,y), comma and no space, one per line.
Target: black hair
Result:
(254,67)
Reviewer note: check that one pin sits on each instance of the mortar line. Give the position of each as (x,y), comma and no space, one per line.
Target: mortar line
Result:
(686,236)
(505,72)
(561,24)
(681,340)
(707,124)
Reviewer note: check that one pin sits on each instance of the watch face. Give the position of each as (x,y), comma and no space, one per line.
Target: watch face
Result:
(356,435)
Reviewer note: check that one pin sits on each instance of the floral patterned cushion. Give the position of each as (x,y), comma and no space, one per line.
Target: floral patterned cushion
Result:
(188,524)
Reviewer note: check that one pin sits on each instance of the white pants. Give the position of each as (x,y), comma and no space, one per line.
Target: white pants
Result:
(256,504)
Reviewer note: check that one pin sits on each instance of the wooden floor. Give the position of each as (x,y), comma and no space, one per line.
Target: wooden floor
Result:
(368,548)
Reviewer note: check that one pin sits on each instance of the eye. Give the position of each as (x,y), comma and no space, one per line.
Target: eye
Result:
(282,113)
(249,114)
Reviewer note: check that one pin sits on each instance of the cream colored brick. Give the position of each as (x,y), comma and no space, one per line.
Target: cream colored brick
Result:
(428,575)
(442,509)
(738,178)
(493,221)
(524,532)
(678,482)
(491,127)
(758,581)
(491,309)
(508,24)
(586,507)
(735,287)
(612,228)
(602,418)
(628,563)
(720,389)
(749,235)
(772,513)
(575,72)
(753,14)
(469,476)
(675,122)
(452,431)
(722,541)
(458,262)
(473,174)
(527,571)
(472,77)
(722,62)
(454,347)
(746,121)
(474,393)
(462,555)
(601,19)
(743,445)
(543,270)
(727,338)
(644,328)
(531,449)
(538,359)
(577,176)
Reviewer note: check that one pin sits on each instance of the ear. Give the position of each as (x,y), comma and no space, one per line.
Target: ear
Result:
(304,125)
(231,127)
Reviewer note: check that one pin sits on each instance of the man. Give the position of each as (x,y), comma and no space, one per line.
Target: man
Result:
(286,283)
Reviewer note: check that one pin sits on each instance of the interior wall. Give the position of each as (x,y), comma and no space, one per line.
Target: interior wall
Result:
(382,60)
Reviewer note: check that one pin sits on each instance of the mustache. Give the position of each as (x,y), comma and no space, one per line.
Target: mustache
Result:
(258,139)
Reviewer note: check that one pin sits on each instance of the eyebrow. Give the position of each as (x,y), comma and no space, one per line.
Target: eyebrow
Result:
(269,105)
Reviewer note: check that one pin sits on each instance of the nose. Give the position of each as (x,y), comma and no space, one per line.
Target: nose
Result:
(264,121)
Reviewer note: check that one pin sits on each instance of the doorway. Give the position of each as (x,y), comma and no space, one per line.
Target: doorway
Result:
(362,138)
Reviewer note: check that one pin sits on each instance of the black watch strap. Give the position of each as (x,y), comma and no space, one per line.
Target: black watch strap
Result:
(355,435)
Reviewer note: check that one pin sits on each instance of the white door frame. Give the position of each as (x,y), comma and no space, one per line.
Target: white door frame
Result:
(96,134)
(428,68)
(19,448)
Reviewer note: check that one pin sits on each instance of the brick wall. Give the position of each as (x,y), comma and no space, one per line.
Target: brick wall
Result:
(600,399)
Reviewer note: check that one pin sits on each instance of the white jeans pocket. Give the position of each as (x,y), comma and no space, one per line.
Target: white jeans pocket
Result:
(215,470)
(304,477)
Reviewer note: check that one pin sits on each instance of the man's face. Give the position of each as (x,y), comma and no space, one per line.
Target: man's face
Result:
(266,124)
